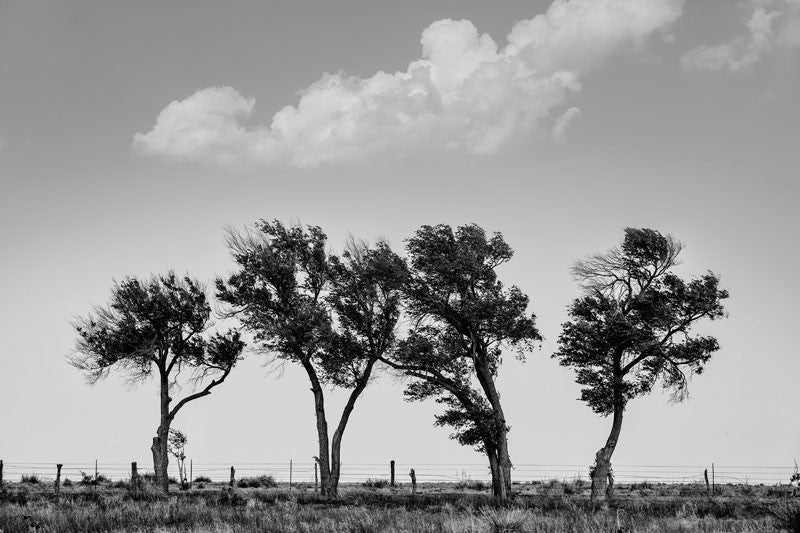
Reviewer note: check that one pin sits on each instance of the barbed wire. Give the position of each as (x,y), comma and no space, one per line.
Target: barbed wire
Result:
(430,472)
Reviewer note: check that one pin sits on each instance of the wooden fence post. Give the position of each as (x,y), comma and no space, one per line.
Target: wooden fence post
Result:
(58,477)
(1,473)
(708,488)
(191,478)
(391,473)
(316,477)
(290,476)
(233,476)
(134,476)
(413,481)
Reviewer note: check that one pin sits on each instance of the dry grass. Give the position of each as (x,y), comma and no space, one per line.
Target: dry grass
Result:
(218,509)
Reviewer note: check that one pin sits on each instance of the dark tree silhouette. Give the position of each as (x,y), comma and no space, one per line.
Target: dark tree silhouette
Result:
(157,326)
(333,316)
(632,329)
(463,319)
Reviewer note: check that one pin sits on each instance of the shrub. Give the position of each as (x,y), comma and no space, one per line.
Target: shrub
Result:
(376,483)
(257,482)
(471,484)
(67,482)
(202,479)
(33,479)
(89,479)
(787,517)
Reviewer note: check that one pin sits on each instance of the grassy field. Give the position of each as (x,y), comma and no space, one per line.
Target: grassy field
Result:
(453,508)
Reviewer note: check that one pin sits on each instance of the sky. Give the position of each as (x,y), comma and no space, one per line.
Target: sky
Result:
(132,133)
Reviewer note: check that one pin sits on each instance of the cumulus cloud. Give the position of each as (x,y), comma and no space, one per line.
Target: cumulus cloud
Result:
(772,24)
(463,94)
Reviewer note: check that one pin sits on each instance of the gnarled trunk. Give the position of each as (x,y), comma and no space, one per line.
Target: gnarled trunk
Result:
(602,473)
(161,459)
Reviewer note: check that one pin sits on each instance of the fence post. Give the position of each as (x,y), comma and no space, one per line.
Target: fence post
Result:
(233,475)
(316,477)
(708,488)
(95,475)
(134,476)
(713,483)
(290,476)
(1,473)
(413,481)
(191,477)
(58,477)
(391,473)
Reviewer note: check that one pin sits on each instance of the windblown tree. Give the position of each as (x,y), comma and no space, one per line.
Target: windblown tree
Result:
(632,329)
(464,318)
(334,316)
(157,326)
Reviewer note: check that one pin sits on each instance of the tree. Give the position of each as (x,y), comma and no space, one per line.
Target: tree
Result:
(463,319)
(333,316)
(157,326)
(176,444)
(632,328)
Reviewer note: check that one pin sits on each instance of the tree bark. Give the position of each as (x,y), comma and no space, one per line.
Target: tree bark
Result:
(159,446)
(602,475)
(336,443)
(322,428)
(501,475)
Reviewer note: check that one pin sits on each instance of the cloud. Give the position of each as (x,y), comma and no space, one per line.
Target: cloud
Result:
(563,122)
(772,24)
(464,94)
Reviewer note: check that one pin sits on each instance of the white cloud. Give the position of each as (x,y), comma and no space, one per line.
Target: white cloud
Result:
(772,23)
(463,94)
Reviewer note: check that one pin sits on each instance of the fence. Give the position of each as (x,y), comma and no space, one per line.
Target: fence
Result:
(303,472)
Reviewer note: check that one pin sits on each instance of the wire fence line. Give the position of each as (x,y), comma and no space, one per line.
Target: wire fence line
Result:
(304,472)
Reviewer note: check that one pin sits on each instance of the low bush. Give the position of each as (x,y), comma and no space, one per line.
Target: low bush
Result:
(471,484)
(376,483)
(32,479)
(202,479)
(264,481)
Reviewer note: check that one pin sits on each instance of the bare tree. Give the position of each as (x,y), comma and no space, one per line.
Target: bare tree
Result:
(157,326)
(632,328)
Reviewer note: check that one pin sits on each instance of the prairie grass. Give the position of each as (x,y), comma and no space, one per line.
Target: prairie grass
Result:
(219,509)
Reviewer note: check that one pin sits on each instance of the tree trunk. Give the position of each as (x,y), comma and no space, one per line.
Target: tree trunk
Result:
(161,458)
(336,443)
(322,428)
(159,446)
(501,476)
(602,474)
(498,479)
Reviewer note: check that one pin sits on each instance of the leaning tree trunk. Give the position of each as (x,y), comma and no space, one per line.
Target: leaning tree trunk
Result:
(336,443)
(501,474)
(322,428)
(504,460)
(499,489)
(602,473)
